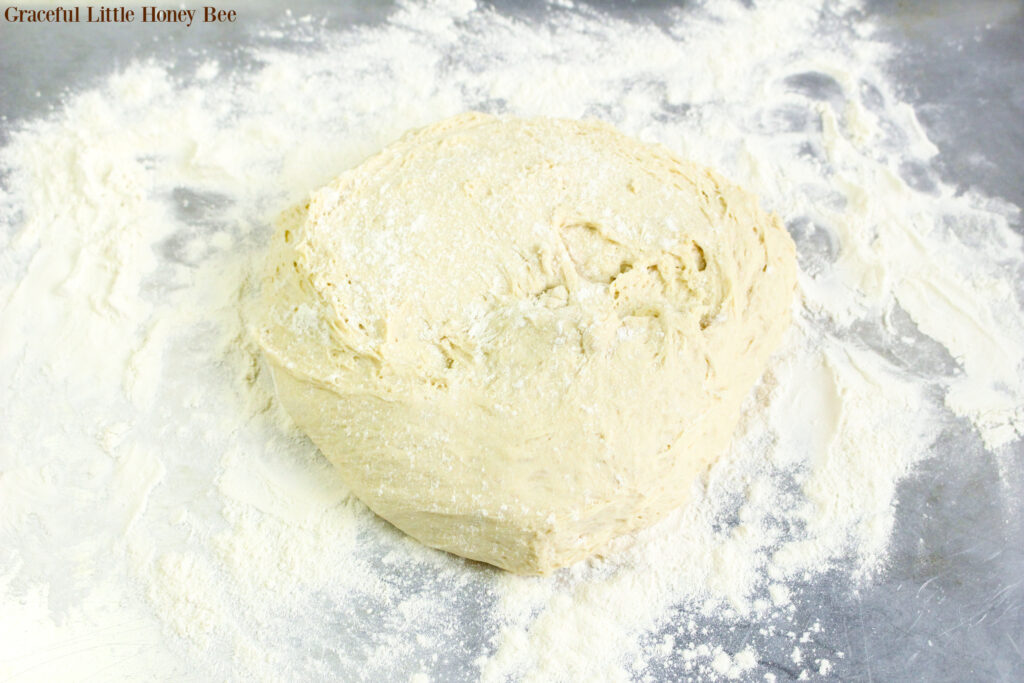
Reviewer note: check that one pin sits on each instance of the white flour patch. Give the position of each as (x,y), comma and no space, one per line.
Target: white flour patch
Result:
(158,513)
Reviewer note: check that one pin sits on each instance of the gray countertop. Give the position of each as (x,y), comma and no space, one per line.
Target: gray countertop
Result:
(951,608)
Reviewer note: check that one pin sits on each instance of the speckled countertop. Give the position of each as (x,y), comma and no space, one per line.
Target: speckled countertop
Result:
(951,606)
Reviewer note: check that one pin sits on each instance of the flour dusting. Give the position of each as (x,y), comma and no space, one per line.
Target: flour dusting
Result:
(159,513)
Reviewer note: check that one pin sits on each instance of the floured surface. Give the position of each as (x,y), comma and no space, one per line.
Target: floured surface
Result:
(156,513)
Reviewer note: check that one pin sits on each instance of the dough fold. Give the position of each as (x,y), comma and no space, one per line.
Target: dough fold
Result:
(520,338)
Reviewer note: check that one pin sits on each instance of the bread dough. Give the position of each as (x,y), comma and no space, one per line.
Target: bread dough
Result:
(520,338)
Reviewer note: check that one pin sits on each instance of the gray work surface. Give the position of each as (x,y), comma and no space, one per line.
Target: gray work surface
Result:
(952,609)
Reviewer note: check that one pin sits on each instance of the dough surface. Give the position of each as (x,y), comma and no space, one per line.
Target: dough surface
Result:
(520,338)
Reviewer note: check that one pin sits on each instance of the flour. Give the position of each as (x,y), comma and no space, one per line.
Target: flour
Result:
(159,514)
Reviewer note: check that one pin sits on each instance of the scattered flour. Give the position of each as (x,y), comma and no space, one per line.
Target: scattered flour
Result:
(160,516)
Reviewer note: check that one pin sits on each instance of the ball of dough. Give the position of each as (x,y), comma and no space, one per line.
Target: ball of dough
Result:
(520,338)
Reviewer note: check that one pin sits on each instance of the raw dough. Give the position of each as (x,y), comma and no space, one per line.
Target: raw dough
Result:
(520,338)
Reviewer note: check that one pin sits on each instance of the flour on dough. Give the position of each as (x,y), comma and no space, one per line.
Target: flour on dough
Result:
(520,338)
